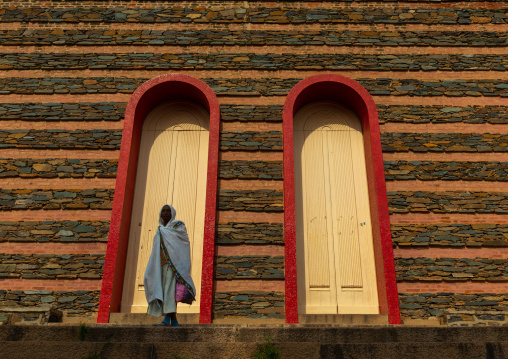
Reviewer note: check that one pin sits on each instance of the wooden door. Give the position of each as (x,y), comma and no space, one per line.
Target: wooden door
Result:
(172,167)
(335,255)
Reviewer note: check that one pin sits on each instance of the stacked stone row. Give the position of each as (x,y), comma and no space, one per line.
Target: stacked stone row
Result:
(54,231)
(289,14)
(255,87)
(100,36)
(253,61)
(110,111)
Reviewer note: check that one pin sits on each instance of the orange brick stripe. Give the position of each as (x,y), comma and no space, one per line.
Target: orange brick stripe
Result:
(237,184)
(73,154)
(51,284)
(446,156)
(457,287)
(261,74)
(490,253)
(250,156)
(432,218)
(444,128)
(53,248)
(243,250)
(254,217)
(254,284)
(273,49)
(442,186)
(61,125)
(251,126)
(242,26)
(56,215)
(57,183)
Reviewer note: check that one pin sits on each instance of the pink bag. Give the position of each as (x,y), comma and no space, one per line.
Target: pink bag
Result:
(182,294)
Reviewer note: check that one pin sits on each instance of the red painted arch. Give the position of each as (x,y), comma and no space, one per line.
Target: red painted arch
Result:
(351,94)
(148,96)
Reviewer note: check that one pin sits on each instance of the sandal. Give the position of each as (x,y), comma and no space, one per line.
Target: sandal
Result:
(162,324)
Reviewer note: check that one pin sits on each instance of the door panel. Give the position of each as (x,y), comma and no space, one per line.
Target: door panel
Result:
(335,260)
(172,169)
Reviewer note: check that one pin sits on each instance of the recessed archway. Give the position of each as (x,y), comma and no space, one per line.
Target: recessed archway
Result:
(151,94)
(350,94)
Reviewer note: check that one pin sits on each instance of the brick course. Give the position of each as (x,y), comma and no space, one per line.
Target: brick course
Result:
(249,233)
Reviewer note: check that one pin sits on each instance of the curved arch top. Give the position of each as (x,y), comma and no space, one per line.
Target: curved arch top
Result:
(149,95)
(351,94)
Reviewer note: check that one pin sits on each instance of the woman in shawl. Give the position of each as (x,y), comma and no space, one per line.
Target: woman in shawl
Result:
(169,262)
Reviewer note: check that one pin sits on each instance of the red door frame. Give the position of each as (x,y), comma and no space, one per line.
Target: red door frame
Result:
(351,94)
(148,96)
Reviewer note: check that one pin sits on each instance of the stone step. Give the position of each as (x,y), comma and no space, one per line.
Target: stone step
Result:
(204,333)
(288,350)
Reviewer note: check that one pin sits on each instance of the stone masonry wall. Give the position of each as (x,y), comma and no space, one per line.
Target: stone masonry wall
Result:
(451,234)
(54,231)
(448,202)
(52,266)
(451,269)
(449,171)
(57,167)
(249,233)
(253,87)
(100,36)
(96,198)
(249,61)
(74,303)
(249,304)
(290,13)
(448,142)
(250,200)
(249,267)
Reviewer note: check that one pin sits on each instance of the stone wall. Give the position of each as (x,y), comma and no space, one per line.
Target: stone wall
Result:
(249,267)
(257,61)
(290,13)
(250,169)
(253,87)
(249,233)
(111,111)
(54,231)
(451,269)
(75,303)
(251,141)
(448,142)
(448,202)
(96,198)
(56,111)
(250,200)
(449,171)
(57,167)
(451,234)
(52,266)
(249,304)
(394,37)
(443,114)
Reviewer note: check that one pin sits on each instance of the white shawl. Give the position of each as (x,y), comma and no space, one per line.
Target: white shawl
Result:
(176,240)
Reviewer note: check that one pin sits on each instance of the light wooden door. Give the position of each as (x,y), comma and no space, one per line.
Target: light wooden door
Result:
(172,168)
(335,255)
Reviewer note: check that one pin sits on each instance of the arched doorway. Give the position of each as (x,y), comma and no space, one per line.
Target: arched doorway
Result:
(172,167)
(335,257)
(161,90)
(350,96)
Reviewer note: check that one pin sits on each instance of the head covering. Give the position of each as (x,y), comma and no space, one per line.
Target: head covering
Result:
(176,240)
